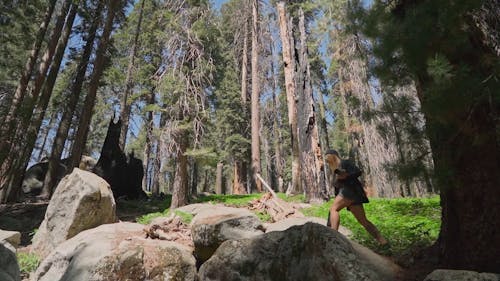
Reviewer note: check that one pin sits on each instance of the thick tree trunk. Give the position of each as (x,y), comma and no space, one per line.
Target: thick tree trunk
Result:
(309,147)
(219,179)
(470,193)
(255,100)
(125,104)
(88,107)
(239,177)
(288,48)
(180,187)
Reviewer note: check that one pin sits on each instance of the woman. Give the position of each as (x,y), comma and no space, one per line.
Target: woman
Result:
(349,193)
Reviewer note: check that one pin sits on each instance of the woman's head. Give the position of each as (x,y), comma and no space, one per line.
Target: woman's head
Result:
(332,158)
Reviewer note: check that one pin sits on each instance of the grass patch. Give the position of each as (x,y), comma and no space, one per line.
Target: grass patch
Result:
(185,217)
(407,223)
(229,200)
(27,262)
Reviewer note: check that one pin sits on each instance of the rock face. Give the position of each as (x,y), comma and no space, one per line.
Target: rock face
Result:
(217,224)
(13,237)
(82,200)
(9,268)
(289,222)
(460,275)
(307,252)
(117,252)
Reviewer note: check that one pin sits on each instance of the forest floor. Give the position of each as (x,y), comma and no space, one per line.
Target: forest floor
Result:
(411,225)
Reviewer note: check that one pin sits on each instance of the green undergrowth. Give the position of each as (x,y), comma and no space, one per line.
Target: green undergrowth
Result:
(27,262)
(408,223)
(228,200)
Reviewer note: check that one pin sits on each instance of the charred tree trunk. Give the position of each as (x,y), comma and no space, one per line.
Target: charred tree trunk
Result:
(289,69)
(255,100)
(125,104)
(88,107)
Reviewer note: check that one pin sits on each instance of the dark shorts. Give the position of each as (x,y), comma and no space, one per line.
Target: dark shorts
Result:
(356,196)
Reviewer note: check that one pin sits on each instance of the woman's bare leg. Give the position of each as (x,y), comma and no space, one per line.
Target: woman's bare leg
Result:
(359,213)
(338,204)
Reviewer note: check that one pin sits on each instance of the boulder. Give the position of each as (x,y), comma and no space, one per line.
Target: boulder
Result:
(289,222)
(9,268)
(217,224)
(81,201)
(117,252)
(13,237)
(306,252)
(460,275)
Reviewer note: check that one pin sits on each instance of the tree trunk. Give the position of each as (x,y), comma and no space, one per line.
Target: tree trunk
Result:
(219,179)
(125,104)
(157,173)
(180,188)
(62,131)
(194,178)
(149,139)
(239,177)
(289,69)
(20,105)
(310,151)
(28,137)
(255,111)
(244,71)
(88,107)
(469,194)
(30,64)
(53,118)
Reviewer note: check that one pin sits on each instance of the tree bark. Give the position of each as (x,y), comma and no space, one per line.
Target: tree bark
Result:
(310,150)
(180,188)
(88,107)
(219,179)
(239,177)
(289,69)
(244,71)
(255,110)
(125,104)
(149,139)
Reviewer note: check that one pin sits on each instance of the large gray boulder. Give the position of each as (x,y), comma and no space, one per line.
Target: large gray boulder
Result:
(289,222)
(460,275)
(12,237)
(9,268)
(217,224)
(306,252)
(81,201)
(117,252)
